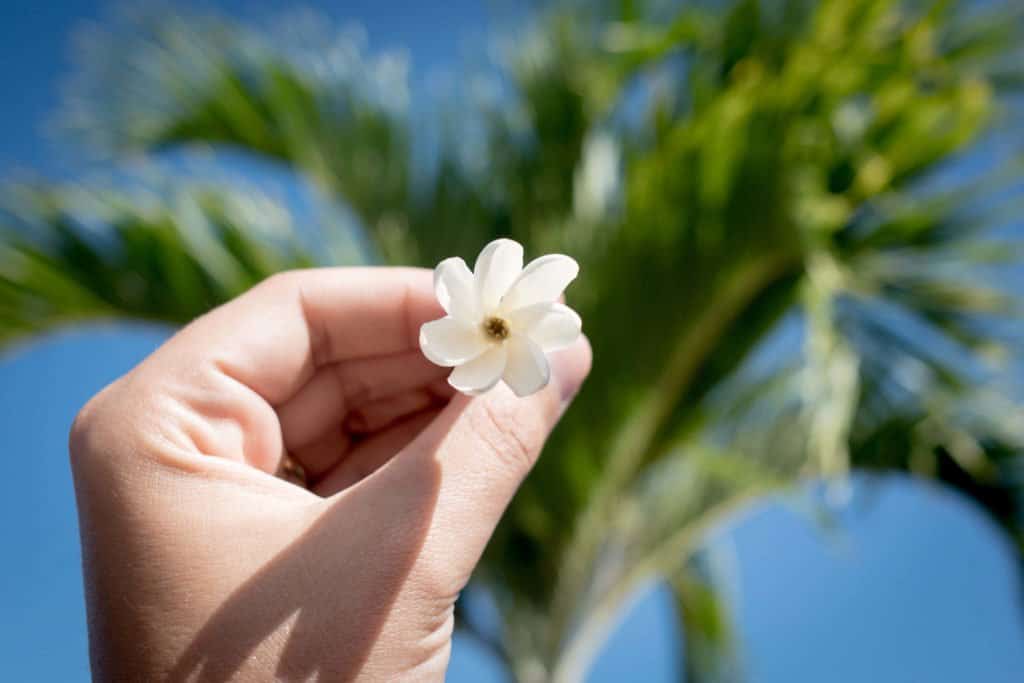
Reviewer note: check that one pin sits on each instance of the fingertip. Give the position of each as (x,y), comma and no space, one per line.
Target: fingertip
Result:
(570,367)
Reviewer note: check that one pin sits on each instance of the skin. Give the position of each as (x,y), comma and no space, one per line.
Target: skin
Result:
(201,564)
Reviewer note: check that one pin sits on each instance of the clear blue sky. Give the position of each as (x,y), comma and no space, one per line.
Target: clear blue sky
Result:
(915,584)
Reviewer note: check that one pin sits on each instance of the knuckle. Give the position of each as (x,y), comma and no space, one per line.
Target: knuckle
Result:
(81,428)
(438,583)
(279,281)
(88,425)
(285,283)
(354,389)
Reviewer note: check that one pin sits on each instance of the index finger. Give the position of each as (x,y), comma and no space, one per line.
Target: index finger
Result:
(273,337)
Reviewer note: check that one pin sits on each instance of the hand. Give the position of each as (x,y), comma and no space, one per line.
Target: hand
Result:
(200,564)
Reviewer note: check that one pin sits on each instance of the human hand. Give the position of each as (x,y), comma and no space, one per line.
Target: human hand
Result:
(200,564)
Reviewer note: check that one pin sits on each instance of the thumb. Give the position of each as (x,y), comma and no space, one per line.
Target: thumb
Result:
(482,448)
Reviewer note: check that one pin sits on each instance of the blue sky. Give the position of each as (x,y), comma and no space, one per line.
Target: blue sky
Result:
(915,584)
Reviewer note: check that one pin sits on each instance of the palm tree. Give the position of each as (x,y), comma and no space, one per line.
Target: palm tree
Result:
(791,216)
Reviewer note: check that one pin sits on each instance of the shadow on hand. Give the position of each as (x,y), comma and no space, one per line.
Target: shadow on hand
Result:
(336,584)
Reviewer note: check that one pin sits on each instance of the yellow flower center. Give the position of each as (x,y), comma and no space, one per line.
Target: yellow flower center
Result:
(496,328)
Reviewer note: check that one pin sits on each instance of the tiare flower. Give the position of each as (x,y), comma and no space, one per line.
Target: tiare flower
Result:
(502,318)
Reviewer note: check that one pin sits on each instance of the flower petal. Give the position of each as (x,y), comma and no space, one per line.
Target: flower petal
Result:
(549,325)
(497,267)
(481,373)
(456,290)
(449,341)
(527,370)
(543,279)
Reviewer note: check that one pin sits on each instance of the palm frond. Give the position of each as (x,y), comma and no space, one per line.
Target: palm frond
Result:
(708,631)
(167,253)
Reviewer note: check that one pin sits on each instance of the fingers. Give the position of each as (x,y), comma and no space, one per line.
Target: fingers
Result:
(374,416)
(341,389)
(273,338)
(483,447)
(356,397)
(373,453)
(322,453)
(225,372)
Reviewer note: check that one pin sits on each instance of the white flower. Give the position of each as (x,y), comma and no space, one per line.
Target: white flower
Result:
(501,318)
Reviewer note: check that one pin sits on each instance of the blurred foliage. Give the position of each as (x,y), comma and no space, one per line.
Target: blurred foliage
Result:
(792,219)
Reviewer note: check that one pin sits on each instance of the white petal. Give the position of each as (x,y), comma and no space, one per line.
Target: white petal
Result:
(543,279)
(549,326)
(456,290)
(449,341)
(481,373)
(527,370)
(497,267)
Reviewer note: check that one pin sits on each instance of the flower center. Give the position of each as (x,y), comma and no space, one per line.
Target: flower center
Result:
(496,328)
